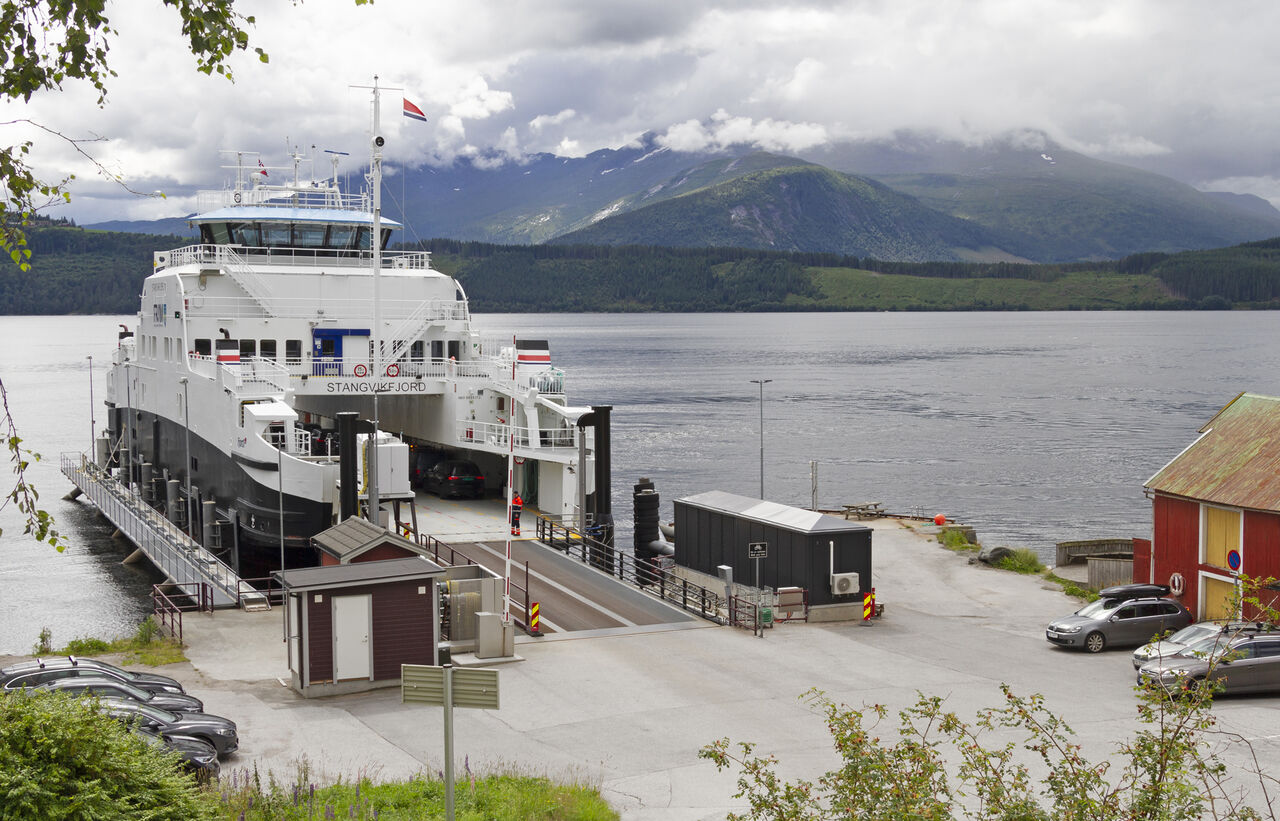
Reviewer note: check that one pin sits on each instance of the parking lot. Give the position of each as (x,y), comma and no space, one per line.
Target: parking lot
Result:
(629,710)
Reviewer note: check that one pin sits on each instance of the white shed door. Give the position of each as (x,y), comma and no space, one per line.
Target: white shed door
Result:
(352,652)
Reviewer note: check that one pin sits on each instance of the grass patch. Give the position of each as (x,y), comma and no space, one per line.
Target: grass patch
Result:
(1024,560)
(955,539)
(146,646)
(1072,588)
(505,795)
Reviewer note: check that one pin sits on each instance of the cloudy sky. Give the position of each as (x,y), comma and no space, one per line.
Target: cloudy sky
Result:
(1189,89)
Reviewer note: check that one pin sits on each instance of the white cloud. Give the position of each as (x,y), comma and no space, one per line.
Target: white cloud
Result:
(546,120)
(725,130)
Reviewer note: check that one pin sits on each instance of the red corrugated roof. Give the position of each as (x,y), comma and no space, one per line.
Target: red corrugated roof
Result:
(1236,462)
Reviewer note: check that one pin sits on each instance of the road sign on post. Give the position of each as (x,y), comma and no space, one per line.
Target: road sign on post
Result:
(449,688)
(757,550)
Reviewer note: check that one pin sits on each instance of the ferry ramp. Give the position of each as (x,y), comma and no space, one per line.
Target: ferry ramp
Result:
(572,596)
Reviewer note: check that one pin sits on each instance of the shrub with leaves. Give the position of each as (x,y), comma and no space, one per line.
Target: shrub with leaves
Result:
(61,758)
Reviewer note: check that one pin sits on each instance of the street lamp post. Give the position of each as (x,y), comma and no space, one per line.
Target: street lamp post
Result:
(186,426)
(761,383)
(93,425)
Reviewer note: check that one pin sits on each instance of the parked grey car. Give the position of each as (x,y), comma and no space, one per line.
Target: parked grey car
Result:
(1119,622)
(1248,662)
(1193,634)
(44,670)
(216,730)
(198,757)
(103,687)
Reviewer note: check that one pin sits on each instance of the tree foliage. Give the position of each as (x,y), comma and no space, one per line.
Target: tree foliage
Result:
(61,758)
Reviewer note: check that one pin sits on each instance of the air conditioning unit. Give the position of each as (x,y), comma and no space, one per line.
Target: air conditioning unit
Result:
(844,584)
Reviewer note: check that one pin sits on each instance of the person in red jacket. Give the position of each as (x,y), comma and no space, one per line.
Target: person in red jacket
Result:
(516,504)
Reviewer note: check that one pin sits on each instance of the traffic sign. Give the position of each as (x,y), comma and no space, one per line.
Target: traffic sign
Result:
(757,550)
(1233,559)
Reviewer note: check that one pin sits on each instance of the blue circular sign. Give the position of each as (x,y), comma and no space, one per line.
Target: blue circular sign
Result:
(1233,559)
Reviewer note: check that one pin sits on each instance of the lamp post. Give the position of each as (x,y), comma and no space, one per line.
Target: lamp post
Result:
(93,428)
(186,427)
(761,383)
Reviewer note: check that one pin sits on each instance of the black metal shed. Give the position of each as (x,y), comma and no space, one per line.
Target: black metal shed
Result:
(804,548)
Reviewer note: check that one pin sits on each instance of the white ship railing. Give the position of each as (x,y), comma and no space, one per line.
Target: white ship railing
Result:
(252,374)
(282,197)
(290,257)
(360,367)
(497,434)
(346,310)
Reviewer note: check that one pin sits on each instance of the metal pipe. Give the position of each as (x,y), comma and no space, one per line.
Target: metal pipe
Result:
(186,425)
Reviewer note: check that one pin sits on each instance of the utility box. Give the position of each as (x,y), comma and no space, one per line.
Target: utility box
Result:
(828,556)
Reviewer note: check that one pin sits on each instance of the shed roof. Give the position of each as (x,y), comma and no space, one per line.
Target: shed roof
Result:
(1236,460)
(355,536)
(345,575)
(795,519)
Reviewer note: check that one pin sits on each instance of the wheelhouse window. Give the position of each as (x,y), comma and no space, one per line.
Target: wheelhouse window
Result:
(308,235)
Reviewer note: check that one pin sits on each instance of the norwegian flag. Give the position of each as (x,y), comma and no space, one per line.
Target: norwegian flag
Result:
(413,112)
(262,169)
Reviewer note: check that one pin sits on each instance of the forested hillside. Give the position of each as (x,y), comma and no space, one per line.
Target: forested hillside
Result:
(78,272)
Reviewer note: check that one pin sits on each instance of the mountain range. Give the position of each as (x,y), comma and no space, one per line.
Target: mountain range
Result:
(912,198)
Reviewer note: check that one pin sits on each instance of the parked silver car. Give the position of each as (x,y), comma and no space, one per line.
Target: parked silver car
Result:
(1119,622)
(1247,662)
(1193,634)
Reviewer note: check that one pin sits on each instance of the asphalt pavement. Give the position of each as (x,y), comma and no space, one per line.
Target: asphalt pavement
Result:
(628,709)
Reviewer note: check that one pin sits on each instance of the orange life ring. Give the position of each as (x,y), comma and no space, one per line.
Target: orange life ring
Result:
(360,370)
(393,370)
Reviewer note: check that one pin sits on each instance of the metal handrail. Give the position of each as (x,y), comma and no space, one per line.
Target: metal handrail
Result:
(646,576)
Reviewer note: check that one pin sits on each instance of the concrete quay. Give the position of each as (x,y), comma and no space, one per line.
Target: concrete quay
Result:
(629,709)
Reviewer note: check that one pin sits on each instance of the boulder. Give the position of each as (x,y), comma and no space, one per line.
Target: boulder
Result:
(992,555)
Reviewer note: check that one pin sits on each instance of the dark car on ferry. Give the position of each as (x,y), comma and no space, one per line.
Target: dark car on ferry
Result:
(455,477)
(103,687)
(1123,616)
(44,670)
(216,730)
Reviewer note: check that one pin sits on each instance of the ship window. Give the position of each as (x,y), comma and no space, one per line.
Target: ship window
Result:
(362,238)
(341,236)
(415,351)
(248,348)
(244,233)
(386,237)
(308,235)
(437,349)
(215,233)
(204,347)
(268,348)
(327,347)
(275,235)
(293,351)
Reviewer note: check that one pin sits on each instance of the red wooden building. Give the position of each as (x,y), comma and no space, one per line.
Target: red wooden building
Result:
(1216,509)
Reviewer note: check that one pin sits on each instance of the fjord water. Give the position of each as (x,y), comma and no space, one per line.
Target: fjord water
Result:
(1033,427)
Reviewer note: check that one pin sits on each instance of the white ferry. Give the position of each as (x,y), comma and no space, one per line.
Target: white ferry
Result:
(288,312)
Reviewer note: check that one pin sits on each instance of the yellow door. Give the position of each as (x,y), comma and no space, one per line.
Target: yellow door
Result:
(1219,598)
(1221,535)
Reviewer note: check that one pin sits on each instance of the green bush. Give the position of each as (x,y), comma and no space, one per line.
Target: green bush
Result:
(955,539)
(1023,560)
(85,647)
(60,758)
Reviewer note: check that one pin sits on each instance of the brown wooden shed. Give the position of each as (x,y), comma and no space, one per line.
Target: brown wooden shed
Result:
(351,626)
(360,540)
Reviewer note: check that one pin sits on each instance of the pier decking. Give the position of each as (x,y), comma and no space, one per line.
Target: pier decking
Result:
(187,564)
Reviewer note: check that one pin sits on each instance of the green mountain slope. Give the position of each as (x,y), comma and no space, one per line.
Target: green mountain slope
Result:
(797,207)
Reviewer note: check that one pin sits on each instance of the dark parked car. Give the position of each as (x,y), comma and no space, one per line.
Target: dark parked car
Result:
(103,687)
(1117,621)
(43,671)
(216,730)
(1247,662)
(198,757)
(455,477)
